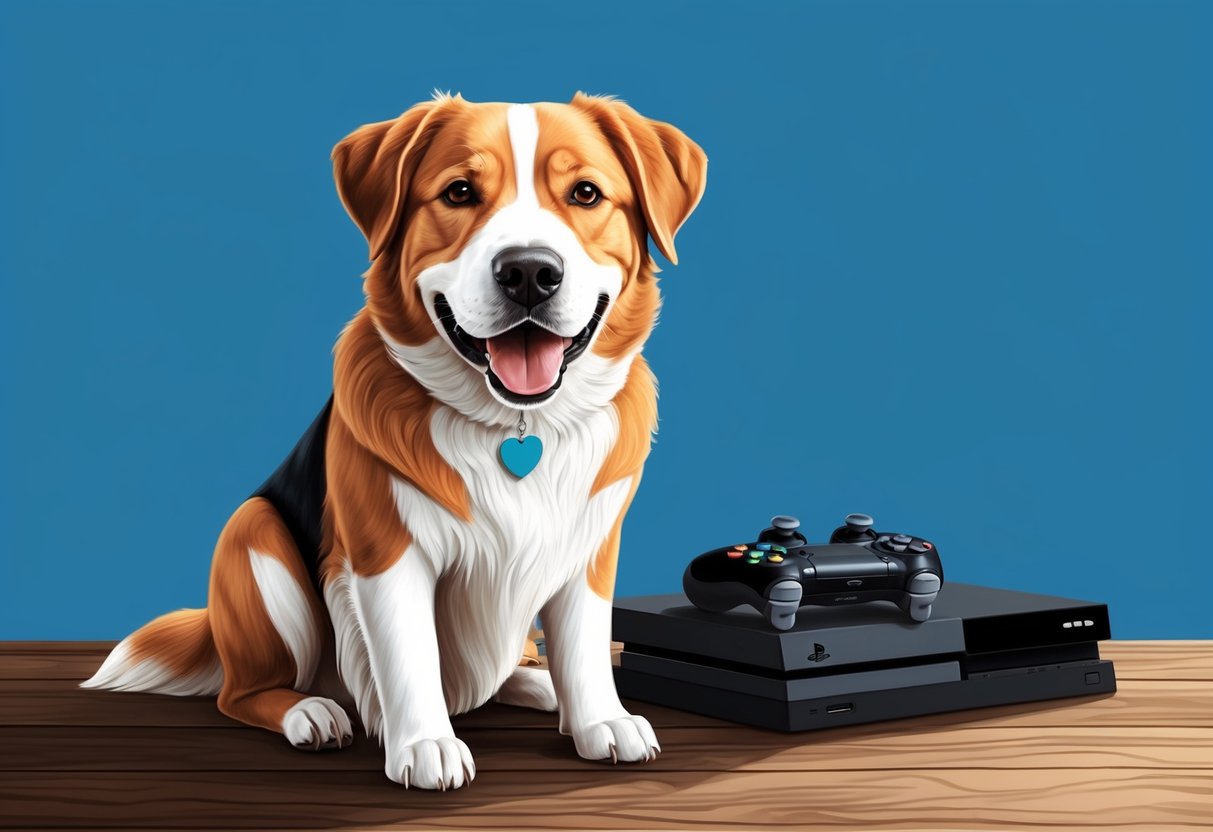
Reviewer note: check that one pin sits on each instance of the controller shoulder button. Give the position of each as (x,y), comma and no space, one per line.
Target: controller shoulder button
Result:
(924,583)
(786,590)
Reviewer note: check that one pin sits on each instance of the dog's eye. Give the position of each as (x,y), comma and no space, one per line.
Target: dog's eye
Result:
(586,194)
(459,192)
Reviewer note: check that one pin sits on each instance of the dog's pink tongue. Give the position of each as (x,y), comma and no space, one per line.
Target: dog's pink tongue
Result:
(527,359)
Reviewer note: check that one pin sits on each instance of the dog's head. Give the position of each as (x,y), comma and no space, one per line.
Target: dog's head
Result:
(510,241)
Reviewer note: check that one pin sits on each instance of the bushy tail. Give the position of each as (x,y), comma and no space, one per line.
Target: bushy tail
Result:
(175,654)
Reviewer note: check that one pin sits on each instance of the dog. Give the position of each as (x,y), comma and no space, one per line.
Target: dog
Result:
(395,563)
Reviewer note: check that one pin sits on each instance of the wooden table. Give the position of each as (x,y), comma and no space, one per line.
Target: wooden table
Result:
(1142,759)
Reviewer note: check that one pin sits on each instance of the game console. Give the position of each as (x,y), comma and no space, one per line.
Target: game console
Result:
(829,658)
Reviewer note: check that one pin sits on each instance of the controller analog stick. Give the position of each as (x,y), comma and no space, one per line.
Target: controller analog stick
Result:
(784,531)
(787,522)
(858,522)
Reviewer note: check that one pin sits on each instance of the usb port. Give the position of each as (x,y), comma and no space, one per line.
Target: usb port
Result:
(840,708)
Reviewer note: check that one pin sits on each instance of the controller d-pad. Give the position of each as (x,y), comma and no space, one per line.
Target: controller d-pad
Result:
(902,539)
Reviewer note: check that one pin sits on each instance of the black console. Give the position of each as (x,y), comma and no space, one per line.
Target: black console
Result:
(847,663)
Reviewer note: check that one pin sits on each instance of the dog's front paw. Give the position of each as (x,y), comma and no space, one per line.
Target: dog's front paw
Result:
(317,723)
(627,739)
(441,763)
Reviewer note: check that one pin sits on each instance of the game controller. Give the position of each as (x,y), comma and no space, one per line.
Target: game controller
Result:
(782,571)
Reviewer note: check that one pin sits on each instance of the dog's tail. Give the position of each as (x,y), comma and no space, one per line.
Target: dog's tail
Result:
(175,654)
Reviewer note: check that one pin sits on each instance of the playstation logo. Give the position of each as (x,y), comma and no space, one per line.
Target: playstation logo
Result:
(819,653)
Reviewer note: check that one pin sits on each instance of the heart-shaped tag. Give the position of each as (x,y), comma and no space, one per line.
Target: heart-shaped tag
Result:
(520,456)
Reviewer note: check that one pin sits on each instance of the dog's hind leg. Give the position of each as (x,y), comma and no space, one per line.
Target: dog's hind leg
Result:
(529,686)
(266,621)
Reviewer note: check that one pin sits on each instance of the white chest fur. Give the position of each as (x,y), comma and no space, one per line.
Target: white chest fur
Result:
(527,538)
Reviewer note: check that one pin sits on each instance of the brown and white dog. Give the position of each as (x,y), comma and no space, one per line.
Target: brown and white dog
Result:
(510,275)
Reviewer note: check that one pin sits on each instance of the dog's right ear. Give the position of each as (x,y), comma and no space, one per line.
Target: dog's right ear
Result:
(373,164)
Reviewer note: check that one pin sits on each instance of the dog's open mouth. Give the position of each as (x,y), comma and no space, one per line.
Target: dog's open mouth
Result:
(524,364)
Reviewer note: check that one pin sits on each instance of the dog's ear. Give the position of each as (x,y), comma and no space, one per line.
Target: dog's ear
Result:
(373,164)
(667,169)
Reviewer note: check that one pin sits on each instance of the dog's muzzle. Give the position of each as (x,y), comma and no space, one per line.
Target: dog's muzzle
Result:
(524,364)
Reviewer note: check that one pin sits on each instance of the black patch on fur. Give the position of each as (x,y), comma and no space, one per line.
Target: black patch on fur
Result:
(297,489)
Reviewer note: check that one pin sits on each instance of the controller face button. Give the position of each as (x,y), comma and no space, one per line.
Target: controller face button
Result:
(741,547)
(902,538)
(733,553)
(752,559)
(775,558)
(763,547)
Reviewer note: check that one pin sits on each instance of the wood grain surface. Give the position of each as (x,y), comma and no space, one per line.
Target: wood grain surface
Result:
(1142,759)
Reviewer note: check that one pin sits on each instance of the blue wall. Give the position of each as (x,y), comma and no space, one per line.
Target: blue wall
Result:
(953,268)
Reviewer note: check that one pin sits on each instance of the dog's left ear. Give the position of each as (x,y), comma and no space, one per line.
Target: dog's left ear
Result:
(667,169)
(373,164)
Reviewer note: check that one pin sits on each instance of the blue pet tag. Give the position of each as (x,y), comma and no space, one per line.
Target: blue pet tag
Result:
(521,455)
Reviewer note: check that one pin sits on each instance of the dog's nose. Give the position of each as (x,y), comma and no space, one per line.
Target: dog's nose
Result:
(528,275)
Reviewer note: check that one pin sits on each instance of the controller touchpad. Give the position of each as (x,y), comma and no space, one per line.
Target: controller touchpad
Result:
(841,571)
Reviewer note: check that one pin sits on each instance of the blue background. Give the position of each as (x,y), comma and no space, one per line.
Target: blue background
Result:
(953,268)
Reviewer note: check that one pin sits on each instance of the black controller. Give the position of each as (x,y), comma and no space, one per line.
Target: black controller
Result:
(783,571)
